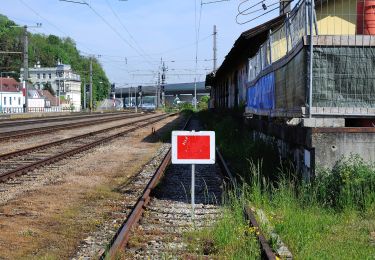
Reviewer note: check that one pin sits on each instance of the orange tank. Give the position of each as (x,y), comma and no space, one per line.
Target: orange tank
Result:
(366,17)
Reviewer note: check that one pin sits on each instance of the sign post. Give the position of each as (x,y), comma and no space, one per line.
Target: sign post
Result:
(193,148)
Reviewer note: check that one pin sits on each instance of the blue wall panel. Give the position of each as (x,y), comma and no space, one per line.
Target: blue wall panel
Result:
(262,95)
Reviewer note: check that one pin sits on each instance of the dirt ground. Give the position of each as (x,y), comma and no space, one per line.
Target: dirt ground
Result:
(49,220)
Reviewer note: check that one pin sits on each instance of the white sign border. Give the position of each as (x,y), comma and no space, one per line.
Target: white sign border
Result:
(175,160)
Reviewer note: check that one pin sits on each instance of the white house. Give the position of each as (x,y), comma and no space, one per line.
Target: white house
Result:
(11,97)
(35,102)
(62,79)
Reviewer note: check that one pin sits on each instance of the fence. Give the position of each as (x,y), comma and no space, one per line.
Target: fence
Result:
(281,41)
(18,110)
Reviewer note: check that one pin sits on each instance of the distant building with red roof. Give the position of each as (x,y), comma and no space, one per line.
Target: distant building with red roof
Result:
(11,97)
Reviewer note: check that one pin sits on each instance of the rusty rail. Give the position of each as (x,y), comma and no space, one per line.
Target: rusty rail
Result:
(47,129)
(55,158)
(267,251)
(122,236)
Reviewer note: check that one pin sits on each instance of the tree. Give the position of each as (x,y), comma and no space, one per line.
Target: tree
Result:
(47,49)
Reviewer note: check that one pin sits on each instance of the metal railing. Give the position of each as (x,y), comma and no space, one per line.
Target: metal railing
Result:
(19,110)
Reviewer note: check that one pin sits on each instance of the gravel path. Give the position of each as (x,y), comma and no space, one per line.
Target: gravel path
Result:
(94,245)
(169,214)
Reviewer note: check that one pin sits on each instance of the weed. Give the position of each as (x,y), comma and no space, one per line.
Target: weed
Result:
(331,217)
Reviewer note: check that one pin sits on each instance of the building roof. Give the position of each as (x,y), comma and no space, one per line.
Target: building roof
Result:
(9,85)
(248,43)
(48,96)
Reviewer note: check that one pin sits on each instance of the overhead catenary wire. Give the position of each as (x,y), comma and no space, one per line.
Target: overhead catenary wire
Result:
(126,29)
(249,11)
(116,32)
(50,23)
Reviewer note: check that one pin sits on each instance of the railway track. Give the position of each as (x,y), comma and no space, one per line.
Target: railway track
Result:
(20,133)
(23,161)
(48,119)
(168,210)
(163,212)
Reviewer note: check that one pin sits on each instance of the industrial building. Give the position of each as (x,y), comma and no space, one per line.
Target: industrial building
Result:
(307,81)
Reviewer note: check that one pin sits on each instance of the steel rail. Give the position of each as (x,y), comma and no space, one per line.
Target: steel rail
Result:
(47,129)
(29,121)
(50,144)
(55,158)
(267,251)
(122,236)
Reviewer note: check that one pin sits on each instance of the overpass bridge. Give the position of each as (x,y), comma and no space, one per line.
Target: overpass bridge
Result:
(184,92)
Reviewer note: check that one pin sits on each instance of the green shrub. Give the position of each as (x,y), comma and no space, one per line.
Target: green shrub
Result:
(185,106)
(350,184)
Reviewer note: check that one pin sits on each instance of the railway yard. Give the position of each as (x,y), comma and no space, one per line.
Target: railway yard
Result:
(47,198)
(102,186)
(118,140)
(89,187)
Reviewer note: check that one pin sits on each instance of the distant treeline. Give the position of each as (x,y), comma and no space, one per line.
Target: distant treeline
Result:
(48,49)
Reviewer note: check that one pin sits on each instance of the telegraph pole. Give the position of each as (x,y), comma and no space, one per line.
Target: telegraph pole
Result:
(90,102)
(25,66)
(215,48)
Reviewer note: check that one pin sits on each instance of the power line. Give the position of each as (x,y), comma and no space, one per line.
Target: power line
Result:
(126,29)
(49,22)
(116,32)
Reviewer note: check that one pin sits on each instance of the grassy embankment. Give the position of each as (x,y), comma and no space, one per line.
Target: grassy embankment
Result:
(331,218)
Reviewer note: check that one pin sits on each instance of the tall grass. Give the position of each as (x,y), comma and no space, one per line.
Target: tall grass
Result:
(332,216)
(230,237)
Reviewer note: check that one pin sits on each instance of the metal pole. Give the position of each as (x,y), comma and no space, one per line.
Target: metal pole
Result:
(158,91)
(90,104)
(135,95)
(129,97)
(311,57)
(58,92)
(195,93)
(193,191)
(26,66)
(84,94)
(1,85)
(215,48)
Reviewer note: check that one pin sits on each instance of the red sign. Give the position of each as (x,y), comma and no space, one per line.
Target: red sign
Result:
(193,147)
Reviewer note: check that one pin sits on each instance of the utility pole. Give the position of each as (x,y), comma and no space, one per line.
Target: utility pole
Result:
(25,54)
(158,92)
(215,49)
(90,102)
(84,94)
(164,69)
(135,95)
(25,65)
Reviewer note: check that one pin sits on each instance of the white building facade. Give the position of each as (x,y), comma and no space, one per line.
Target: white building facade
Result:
(11,97)
(64,82)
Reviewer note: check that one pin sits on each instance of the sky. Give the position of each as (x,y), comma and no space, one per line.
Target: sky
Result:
(131,37)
